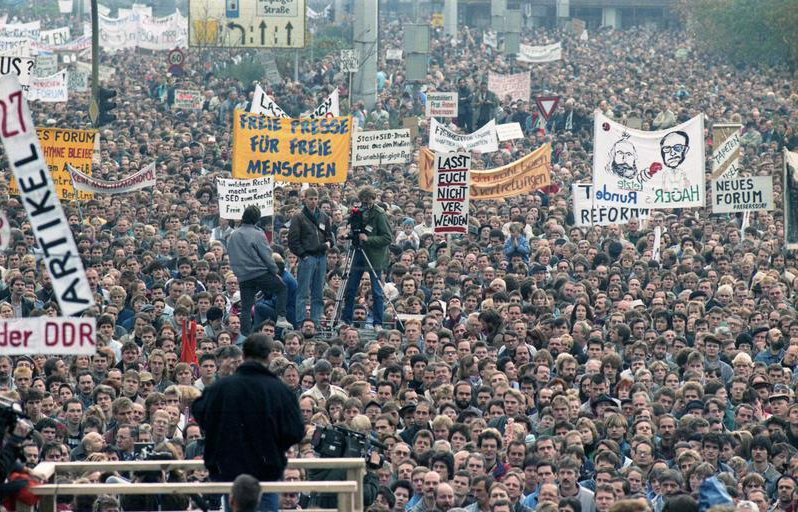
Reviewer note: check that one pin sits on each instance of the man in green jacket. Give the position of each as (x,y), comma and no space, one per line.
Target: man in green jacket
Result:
(374,239)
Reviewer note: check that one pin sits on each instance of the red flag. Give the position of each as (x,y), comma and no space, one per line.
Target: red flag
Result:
(188,345)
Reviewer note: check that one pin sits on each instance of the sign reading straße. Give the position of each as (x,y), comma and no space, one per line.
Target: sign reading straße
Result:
(49,224)
(450,194)
(47,335)
(250,24)
(294,150)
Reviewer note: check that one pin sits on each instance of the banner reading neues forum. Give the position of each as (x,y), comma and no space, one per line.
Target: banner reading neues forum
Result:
(293,150)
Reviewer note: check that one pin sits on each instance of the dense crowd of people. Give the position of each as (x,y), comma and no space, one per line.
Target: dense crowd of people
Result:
(529,365)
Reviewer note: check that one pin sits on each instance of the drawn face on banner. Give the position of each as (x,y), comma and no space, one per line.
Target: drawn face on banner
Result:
(674,147)
(623,158)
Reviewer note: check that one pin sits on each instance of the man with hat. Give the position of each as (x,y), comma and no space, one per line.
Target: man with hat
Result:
(779,401)
(601,404)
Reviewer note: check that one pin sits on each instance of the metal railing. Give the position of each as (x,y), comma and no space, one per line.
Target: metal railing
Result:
(349,491)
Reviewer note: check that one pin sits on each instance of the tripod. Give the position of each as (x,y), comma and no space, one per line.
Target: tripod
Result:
(354,248)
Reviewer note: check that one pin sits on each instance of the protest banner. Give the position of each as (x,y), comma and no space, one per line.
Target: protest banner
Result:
(263,104)
(16,47)
(393,54)
(450,194)
(509,131)
(77,81)
(742,194)
(50,89)
(381,147)
(516,86)
(62,147)
(22,30)
(790,199)
(54,37)
(58,336)
(327,108)
(441,104)
(38,195)
(144,178)
(587,213)
(162,34)
(350,61)
(523,176)
(46,65)
(539,54)
(293,150)
(236,195)
(21,67)
(444,140)
(5,231)
(725,150)
(188,100)
(658,169)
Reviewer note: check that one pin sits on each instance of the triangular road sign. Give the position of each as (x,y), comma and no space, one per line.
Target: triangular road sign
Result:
(547,104)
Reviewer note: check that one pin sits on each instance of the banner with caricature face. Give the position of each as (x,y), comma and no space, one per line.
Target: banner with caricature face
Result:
(654,170)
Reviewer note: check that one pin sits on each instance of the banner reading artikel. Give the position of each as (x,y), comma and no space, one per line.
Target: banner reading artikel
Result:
(450,194)
(37,193)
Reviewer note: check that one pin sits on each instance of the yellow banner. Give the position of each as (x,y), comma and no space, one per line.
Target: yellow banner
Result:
(63,146)
(525,175)
(293,150)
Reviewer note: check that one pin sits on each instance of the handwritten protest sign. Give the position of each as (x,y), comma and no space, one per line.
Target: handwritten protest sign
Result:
(142,179)
(188,100)
(50,89)
(21,67)
(523,176)
(509,131)
(77,81)
(293,150)
(742,194)
(588,213)
(22,30)
(726,150)
(236,195)
(441,104)
(443,140)
(46,65)
(16,47)
(38,195)
(450,195)
(61,147)
(381,147)
(516,86)
(47,335)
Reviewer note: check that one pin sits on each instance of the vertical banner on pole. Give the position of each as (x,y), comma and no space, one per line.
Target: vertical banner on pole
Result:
(451,193)
(725,150)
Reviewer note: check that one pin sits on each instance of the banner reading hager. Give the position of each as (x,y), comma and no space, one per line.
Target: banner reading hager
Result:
(523,176)
(450,194)
(144,178)
(516,86)
(444,140)
(293,150)
(655,170)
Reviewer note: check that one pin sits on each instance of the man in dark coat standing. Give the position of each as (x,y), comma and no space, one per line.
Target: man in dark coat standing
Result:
(250,419)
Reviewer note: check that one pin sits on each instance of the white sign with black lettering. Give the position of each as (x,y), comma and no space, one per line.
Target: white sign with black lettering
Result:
(55,37)
(349,61)
(600,214)
(21,67)
(48,335)
(382,147)
(38,194)
(450,193)
(743,194)
(46,64)
(509,131)
(236,195)
(441,104)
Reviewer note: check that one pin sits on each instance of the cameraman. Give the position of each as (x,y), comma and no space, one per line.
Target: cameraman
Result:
(372,238)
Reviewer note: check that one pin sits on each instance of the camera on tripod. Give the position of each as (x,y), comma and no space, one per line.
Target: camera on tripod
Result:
(357,225)
(338,442)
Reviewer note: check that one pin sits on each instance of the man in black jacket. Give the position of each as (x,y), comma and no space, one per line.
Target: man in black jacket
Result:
(309,237)
(250,419)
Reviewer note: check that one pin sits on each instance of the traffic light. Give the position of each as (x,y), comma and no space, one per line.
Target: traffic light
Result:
(105,106)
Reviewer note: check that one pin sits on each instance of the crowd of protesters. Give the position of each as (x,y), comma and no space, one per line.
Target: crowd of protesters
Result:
(536,366)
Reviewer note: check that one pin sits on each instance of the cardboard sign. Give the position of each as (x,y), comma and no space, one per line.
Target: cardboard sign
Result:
(236,195)
(381,147)
(441,104)
(516,86)
(726,150)
(38,194)
(46,335)
(62,147)
(21,67)
(188,100)
(509,131)
(450,194)
(144,178)
(742,194)
(293,150)
(587,213)
(443,140)
(350,61)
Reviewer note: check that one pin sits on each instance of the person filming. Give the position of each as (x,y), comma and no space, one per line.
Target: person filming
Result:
(371,238)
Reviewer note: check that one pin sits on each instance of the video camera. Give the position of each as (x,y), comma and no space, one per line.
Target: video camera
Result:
(10,415)
(357,224)
(339,442)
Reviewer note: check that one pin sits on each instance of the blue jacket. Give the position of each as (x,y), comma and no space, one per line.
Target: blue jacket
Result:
(250,254)
(521,248)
